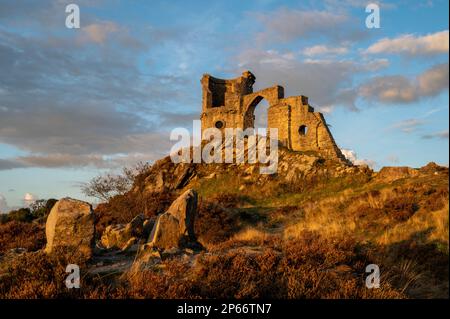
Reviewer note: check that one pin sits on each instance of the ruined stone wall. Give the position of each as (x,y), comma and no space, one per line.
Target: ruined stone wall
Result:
(279,116)
(325,140)
(222,100)
(231,103)
(302,129)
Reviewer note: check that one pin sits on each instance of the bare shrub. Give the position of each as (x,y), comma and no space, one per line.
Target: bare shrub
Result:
(106,186)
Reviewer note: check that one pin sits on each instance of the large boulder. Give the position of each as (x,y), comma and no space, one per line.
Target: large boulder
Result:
(175,228)
(70,228)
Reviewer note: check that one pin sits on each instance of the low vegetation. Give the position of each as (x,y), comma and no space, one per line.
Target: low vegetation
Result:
(271,240)
(38,212)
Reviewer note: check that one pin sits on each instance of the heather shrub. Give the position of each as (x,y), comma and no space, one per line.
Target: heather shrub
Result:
(215,223)
(21,215)
(38,275)
(171,283)
(309,267)
(16,234)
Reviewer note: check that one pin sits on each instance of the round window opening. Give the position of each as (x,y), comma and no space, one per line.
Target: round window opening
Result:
(219,124)
(302,130)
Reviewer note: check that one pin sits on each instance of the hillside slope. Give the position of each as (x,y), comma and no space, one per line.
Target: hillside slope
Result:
(399,215)
(308,231)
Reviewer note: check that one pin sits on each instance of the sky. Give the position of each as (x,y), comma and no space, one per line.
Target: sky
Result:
(75,103)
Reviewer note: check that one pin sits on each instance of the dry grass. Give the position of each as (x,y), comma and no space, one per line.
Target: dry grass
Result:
(252,234)
(406,223)
(322,220)
(433,225)
(387,215)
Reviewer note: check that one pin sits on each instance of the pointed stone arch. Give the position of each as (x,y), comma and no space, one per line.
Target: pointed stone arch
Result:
(272,95)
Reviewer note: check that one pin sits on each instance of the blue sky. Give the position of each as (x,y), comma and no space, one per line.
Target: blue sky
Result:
(78,102)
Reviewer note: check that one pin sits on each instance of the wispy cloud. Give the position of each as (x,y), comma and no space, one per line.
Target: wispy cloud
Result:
(400,89)
(408,126)
(285,25)
(439,135)
(409,44)
(324,50)
(81,100)
(6,164)
(98,32)
(328,82)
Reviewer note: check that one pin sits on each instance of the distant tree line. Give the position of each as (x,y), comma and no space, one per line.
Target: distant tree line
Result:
(37,211)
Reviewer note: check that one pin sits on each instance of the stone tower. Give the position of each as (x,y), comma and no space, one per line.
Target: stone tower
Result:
(231,103)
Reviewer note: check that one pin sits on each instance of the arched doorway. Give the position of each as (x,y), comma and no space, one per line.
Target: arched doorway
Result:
(260,115)
(256,113)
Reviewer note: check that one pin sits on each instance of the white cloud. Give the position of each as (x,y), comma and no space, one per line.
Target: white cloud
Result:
(433,80)
(29,199)
(352,157)
(436,43)
(349,154)
(324,50)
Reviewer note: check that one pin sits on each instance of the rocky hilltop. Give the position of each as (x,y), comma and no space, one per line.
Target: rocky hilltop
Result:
(308,229)
(225,230)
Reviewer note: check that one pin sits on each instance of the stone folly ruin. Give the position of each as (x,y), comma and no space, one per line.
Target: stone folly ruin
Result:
(231,104)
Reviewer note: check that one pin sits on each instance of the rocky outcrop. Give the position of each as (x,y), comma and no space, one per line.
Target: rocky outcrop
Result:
(170,177)
(294,168)
(390,174)
(433,168)
(123,236)
(70,228)
(175,228)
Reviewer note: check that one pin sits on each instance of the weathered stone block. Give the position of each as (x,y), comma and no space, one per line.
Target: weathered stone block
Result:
(70,227)
(175,228)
